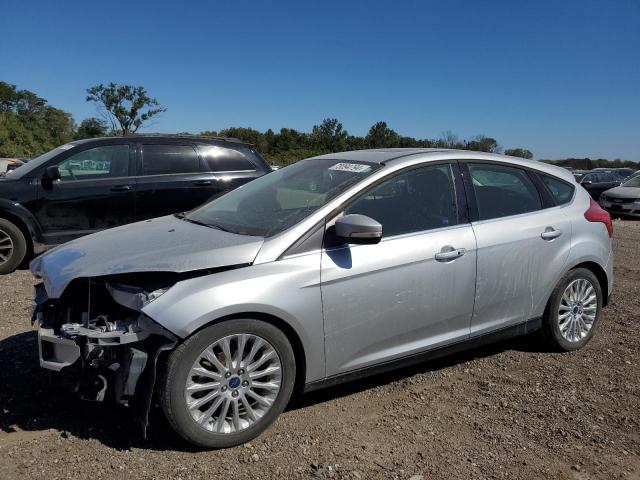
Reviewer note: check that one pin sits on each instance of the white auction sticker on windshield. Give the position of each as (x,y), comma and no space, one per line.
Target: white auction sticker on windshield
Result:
(351,167)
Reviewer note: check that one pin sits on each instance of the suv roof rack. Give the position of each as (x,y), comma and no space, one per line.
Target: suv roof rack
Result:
(188,135)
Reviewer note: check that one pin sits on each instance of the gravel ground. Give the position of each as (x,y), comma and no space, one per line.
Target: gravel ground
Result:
(511,410)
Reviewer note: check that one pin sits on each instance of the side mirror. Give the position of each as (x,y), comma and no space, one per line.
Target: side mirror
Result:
(358,229)
(587,182)
(50,175)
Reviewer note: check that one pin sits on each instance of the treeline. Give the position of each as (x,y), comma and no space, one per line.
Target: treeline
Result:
(588,164)
(289,145)
(29,126)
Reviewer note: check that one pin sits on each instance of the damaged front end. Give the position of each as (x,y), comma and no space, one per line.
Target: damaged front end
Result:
(96,336)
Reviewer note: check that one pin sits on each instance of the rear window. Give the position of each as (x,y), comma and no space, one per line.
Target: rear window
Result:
(168,159)
(223,159)
(562,192)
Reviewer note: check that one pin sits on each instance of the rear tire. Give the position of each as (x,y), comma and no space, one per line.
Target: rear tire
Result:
(573,311)
(13,246)
(215,399)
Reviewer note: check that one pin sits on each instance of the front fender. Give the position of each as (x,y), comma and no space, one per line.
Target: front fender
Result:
(288,289)
(28,220)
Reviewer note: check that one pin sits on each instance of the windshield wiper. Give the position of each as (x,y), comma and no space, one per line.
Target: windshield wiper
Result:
(197,222)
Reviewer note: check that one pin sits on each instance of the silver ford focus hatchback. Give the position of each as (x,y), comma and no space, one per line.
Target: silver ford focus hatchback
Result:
(327,270)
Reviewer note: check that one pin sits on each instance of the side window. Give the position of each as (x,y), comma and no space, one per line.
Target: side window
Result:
(502,191)
(98,162)
(168,159)
(591,177)
(418,200)
(561,191)
(222,159)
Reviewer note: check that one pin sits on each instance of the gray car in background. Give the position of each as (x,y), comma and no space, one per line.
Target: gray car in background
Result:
(623,200)
(330,269)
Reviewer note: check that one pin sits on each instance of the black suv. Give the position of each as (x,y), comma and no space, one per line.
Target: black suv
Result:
(89,185)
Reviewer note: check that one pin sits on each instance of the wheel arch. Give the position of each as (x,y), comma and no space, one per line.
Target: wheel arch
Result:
(26,222)
(26,231)
(600,274)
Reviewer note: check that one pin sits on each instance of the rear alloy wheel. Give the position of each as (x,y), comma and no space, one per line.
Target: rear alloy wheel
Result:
(573,311)
(228,383)
(13,246)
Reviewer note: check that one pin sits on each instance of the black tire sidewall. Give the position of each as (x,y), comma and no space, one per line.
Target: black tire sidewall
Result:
(180,362)
(551,326)
(19,246)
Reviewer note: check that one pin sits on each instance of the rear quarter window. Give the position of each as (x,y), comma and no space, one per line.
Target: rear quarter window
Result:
(169,159)
(222,159)
(561,191)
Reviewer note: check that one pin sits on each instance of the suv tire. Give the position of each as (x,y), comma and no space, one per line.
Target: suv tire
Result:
(13,246)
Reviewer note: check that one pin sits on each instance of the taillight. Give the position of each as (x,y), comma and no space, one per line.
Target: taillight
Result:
(598,214)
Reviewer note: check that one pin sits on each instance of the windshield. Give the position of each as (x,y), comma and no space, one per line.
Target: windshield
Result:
(279,200)
(23,170)
(632,182)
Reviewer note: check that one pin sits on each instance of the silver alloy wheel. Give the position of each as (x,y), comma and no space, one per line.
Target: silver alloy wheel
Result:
(578,309)
(233,383)
(6,246)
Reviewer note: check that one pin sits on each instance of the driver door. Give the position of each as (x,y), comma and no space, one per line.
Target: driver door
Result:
(94,192)
(401,296)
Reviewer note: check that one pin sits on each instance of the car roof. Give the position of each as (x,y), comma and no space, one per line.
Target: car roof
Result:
(162,137)
(395,156)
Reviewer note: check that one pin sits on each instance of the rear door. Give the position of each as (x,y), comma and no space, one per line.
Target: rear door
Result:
(95,192)
(522,243)
(171,179)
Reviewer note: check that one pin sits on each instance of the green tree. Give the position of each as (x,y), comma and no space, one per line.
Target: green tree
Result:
(381,136)
(329,136)
(125,107)
(481,143)
(92,127)
(28,126)
(519,152)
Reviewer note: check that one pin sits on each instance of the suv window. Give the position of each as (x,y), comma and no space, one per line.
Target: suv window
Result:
(168,159)
(418,200)
(104,161)
(222,159)
(501,191)
(561,191)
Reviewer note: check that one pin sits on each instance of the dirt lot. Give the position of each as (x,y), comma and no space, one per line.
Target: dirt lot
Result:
(508,411)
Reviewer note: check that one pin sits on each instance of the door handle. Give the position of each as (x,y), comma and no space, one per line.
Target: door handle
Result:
(202,183)
(550,233)
(121,188)
(449,253)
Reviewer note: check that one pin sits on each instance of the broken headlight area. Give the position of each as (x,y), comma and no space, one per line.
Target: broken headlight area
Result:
(96,336)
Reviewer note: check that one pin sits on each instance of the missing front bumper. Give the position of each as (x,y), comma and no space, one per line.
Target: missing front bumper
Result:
(111,356)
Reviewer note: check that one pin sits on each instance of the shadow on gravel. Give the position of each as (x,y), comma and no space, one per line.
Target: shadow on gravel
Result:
(31,401)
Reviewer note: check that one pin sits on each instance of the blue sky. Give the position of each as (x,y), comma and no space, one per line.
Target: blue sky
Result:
(561,78)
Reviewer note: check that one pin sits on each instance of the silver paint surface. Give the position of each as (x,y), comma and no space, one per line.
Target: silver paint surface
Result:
(165,244)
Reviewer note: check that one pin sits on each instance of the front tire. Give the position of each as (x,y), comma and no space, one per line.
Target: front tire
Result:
(13,246)
(573,311)
(227,383)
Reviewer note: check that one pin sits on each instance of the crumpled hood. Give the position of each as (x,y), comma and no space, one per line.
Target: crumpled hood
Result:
(624,192)
(165,244)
